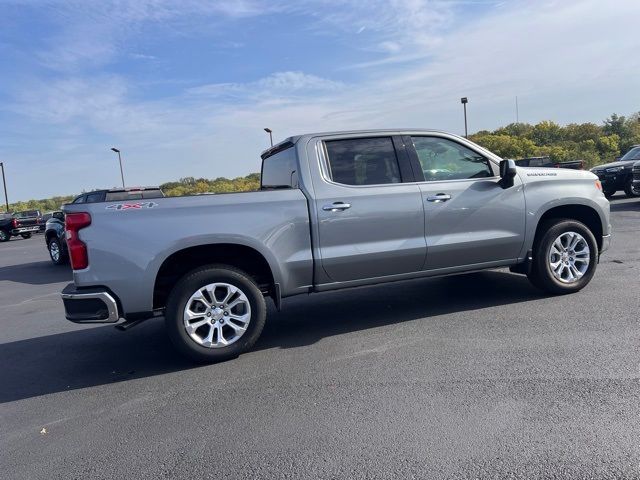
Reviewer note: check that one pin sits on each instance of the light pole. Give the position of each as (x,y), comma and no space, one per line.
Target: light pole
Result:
(4,184)
(464,102)
(270,132)
(120,160)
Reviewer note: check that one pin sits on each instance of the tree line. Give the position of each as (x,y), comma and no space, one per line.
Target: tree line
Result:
(595,144)
(592,143)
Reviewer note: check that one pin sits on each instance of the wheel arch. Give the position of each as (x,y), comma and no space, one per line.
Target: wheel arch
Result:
(244,257)
(49,235)
(585,214)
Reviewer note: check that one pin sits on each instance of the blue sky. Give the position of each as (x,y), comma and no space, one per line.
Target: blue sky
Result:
(185,88)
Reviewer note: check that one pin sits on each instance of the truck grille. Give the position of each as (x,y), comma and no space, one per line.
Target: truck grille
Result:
(636,172)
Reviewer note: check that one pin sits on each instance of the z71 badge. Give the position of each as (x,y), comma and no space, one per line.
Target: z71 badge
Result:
(131,206)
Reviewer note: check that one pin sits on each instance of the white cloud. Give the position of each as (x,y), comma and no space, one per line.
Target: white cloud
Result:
(276,84)
(546,53)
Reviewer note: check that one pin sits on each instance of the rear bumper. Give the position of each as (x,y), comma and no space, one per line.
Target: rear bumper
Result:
(19,230)
(91,305)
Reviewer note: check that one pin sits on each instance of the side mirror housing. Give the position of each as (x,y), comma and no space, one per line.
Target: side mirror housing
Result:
(507,173)
(58,215)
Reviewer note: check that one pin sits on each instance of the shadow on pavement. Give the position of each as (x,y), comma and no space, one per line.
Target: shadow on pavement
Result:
(626,206)
(102,355)
(36,273)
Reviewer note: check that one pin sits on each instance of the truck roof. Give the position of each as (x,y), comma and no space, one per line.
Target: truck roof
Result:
(292,140)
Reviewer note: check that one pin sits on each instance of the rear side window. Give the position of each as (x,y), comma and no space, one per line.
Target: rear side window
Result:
(79,199)
(279,170)
(443,159)
(363,161)
(133,195)
(94,197)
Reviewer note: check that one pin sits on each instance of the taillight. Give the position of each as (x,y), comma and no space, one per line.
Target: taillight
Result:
(14,222)
(73,223)
(598,185)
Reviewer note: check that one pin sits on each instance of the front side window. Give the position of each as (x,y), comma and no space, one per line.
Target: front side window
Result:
(363,161)
(443,159)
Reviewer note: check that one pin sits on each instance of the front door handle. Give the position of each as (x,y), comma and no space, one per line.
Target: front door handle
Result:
(336,207)
(439,197)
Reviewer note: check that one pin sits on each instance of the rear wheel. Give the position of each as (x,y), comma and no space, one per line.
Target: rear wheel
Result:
(25,235)
(564,257)
(4,236)
(57,254)
(215,313)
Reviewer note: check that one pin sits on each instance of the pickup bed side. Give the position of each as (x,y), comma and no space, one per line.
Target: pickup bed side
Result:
(272,225)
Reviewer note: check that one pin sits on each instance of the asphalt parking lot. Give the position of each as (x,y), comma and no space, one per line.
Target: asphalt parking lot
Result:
(472,376)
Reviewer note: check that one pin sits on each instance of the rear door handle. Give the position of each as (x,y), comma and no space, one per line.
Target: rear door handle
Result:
(439,197)
(336,207)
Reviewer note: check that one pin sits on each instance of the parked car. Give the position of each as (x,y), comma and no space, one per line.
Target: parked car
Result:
(635,183)
(618,175)
(55,240)
(546,162)
(118,194)
(21,223)
(335,211)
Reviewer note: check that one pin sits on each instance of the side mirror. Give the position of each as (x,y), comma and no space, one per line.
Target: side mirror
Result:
(58,215)
(507,173)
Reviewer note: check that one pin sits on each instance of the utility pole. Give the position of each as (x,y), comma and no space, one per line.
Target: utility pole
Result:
(4,184)
(517,112)
(120,160)
(464,102)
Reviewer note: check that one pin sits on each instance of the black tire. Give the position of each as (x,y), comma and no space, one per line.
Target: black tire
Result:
(25,235)
(4,236)
(609,193)
(62,255)
(541,275)
(629,191)
(192,282)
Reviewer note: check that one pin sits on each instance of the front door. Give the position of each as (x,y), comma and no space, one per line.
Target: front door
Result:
(370,221)
(470,220)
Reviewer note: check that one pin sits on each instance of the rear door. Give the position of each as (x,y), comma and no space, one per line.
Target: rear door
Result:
(469,218)
(370,218)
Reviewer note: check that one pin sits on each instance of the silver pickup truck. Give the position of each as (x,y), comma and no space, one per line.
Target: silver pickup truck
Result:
(335,210)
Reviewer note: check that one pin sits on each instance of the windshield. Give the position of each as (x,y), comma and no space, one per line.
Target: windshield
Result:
(633,154)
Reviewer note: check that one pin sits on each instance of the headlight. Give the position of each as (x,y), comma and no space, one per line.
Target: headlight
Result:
(614,169)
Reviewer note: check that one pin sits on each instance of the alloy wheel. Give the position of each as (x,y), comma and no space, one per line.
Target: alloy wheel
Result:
(217,315)
(569,257)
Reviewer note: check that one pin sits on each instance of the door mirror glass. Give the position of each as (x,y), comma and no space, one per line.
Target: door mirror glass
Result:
(507,173)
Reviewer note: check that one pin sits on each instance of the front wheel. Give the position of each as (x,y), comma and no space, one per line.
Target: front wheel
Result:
(630,191)
(564,257)
(57,254)
(215,313)
(609,193)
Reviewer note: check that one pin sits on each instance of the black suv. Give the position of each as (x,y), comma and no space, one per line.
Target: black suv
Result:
(618,175)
